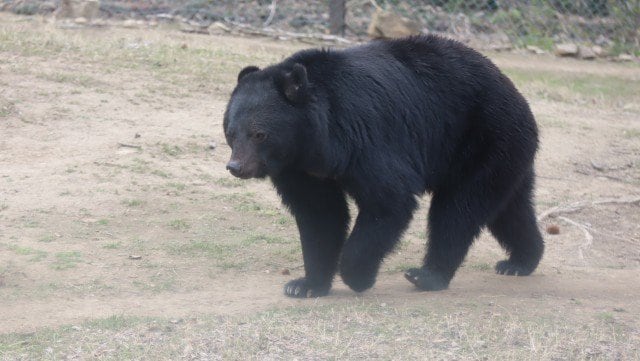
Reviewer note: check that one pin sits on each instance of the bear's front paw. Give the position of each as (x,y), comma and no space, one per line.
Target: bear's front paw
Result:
(358,276)
(300,288)
(511,268)
(426,280)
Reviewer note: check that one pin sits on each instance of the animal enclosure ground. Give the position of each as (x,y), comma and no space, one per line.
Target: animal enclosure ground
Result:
(122,235)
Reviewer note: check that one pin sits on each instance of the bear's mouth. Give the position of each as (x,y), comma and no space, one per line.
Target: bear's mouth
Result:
(248,174)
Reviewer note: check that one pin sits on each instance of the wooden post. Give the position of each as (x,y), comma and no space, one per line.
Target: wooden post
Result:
(337,12)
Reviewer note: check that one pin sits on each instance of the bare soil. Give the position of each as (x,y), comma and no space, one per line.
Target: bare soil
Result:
(112,201)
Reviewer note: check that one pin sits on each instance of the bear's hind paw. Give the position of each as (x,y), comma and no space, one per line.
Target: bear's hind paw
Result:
(510,268)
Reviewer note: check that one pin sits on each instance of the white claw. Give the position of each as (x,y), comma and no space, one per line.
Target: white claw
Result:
(297,291)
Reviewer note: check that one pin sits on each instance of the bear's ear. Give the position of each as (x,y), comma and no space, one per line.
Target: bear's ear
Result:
(247,70)
(294,84)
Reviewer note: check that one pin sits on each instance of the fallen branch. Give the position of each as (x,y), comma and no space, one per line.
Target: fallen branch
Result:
(276,34)
(587,235)
(604,168)
(603,175)
(577,206)
(124,145)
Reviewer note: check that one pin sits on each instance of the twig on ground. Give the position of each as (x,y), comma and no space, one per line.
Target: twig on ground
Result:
(622,180)
(604,168)
(574,207)
(587,235)
(124,145)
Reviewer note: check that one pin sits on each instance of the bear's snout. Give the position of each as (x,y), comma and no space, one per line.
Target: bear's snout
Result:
(234,167)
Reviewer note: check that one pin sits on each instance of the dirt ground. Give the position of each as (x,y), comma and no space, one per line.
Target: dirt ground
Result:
(114,200)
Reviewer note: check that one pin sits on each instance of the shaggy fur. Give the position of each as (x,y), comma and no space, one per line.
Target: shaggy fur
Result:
(384,123)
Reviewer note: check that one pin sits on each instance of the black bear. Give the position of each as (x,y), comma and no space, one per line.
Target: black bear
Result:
(386,122)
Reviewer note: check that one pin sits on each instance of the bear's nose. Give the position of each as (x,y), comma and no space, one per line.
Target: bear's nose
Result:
(233,167)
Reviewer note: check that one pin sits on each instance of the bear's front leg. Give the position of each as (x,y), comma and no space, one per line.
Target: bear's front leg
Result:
(321,213)
(378,228)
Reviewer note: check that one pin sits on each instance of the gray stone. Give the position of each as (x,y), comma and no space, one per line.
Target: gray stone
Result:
(566,49)
(586,53)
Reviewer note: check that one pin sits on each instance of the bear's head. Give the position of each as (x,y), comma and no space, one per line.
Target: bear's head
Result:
(262,122)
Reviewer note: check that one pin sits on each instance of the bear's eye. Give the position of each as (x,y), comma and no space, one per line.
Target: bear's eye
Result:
(259,136)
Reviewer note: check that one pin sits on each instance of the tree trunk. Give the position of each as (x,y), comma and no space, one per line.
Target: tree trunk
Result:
(337,12)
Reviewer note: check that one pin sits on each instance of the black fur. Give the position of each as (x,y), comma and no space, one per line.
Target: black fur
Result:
(384,123)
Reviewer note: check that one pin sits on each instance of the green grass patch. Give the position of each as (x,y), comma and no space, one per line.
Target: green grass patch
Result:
(245,202)
(133,203)
(47,238)
(157,283)
(631,133)
(171,150)
(563,86)
(112,245)
(203,249)
(66,260)
(179,224)
(71,78)
(177,186)
(229,182)
(262,238)
(36,255)
(161,174)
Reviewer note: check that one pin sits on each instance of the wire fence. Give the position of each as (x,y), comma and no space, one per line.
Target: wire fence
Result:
(612,24)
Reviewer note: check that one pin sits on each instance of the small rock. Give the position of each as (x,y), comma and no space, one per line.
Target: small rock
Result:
(212,145)
(285,272)
(137,135)
(566,49)
(165,17)
(80,20)
(603,41)
(553,229)
(98,22)
(586,53)
(534,49)
(386,24)
(624,57)
(135,256)
(129,23)
(598,50)
(631,107)
(76,328)
(176,321)
(218,28)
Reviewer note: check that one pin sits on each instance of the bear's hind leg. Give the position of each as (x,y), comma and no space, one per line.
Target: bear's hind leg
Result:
(516,230)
